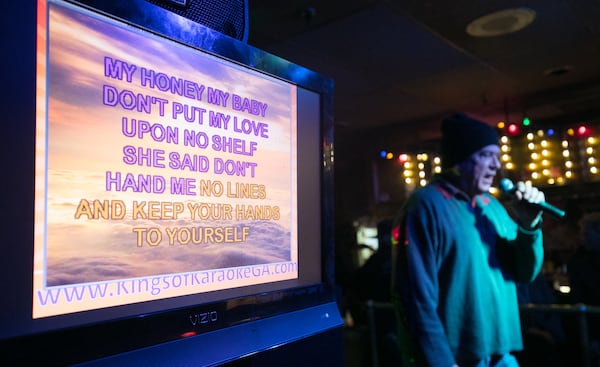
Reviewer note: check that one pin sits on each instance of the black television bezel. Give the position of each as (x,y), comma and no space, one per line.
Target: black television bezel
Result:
(97,340)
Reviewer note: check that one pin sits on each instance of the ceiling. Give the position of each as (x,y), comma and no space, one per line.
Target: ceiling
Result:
(405,64)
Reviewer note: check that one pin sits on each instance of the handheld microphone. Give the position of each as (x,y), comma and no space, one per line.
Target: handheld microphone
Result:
(508,188)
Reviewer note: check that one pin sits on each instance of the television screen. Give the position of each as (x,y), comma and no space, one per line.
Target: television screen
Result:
(178,183)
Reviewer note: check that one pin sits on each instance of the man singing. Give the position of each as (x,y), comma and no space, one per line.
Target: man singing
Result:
(459,254)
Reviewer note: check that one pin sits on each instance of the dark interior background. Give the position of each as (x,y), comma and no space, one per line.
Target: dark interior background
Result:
(400,66)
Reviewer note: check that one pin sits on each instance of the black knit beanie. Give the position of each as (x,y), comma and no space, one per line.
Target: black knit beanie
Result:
(462,136)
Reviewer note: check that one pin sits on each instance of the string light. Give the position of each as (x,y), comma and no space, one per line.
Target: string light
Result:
(591,152)
(513,129)
(544,156)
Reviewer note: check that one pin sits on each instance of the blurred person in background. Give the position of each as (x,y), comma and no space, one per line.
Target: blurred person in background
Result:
(584,277)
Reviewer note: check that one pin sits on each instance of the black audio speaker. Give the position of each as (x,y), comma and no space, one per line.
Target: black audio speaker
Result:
(229,17)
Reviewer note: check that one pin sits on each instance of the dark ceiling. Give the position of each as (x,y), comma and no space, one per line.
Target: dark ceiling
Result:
(399,64)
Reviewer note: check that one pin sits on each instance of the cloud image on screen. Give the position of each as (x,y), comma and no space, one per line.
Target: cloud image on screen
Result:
(263,248)
(98,154)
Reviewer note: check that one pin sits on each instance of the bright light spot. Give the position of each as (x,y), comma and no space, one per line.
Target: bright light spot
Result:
(564,289)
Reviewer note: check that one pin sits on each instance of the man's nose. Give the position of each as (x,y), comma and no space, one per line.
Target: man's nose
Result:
(496,162)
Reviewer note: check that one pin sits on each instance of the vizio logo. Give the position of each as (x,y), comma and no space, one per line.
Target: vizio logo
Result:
(204,318)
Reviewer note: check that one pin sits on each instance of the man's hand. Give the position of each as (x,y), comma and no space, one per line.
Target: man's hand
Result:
(527,215)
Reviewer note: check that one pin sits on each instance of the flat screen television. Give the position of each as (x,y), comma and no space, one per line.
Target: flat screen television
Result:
(165,186)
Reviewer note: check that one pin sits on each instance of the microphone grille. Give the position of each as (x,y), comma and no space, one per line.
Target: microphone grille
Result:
(506,185)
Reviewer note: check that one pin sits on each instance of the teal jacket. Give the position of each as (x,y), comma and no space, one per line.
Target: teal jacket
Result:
(461,260)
